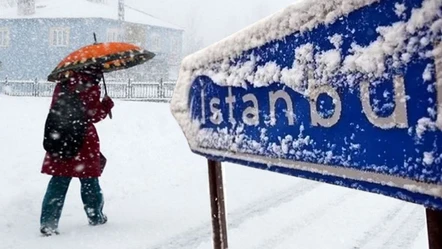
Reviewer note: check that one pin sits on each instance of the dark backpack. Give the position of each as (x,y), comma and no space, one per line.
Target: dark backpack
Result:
(66,124)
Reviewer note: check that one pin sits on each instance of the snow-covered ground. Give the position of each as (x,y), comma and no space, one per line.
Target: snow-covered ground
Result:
(156,194)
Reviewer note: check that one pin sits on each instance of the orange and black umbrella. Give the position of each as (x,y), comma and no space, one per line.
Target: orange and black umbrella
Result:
(106,57)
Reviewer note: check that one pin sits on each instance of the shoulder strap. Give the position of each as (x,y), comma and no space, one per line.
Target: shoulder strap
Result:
(64,88)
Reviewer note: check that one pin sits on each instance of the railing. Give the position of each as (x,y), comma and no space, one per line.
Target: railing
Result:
(147,91)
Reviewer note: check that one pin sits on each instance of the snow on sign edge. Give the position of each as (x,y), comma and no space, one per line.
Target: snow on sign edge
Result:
(301,16)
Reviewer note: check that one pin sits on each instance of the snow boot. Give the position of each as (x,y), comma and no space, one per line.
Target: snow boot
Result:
(95,222)
(47,231)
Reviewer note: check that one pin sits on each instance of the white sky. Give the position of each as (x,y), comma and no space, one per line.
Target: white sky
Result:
(215,19)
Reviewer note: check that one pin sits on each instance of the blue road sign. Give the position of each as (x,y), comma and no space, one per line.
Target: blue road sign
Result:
(340,91)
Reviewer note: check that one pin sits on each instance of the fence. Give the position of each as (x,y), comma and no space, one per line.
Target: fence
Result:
(147,91)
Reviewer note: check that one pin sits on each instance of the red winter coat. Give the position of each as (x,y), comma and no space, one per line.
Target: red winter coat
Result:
(87,162)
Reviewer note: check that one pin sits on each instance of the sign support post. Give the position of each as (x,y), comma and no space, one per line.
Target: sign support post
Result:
(434,228)
(219,225)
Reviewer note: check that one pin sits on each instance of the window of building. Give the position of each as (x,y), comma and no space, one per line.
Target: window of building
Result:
(59,37)
(114,35)
(4,37)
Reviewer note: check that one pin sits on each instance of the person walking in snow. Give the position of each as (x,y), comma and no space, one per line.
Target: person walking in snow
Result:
(87,163)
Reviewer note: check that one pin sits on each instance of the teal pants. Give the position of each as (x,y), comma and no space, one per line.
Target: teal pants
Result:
(55,196)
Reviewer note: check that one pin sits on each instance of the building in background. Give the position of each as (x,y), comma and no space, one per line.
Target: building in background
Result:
(36,34)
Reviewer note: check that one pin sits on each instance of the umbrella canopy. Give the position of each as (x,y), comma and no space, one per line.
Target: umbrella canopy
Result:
(106,57)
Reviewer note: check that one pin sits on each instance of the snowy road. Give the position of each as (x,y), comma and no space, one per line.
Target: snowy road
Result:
(156,194)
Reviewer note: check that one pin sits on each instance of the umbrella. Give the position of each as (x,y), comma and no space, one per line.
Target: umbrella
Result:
(105,57)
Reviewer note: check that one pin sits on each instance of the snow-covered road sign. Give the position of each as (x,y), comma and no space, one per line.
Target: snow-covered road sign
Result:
(347,92)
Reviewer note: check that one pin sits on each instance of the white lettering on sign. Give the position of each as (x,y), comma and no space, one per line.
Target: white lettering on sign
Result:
(216,116)
(438,61)
(203,107)
(230,100)
(398,118)
(250,116)
(314,92)
(281,94)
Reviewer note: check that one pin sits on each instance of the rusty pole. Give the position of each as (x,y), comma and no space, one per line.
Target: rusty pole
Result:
(434,228)
(219,225)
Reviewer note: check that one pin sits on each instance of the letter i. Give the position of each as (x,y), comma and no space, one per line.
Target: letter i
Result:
(203,107)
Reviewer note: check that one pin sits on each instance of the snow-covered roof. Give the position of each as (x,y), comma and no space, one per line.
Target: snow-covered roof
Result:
(85,9)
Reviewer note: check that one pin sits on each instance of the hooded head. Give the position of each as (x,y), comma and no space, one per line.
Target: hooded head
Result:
(88,76)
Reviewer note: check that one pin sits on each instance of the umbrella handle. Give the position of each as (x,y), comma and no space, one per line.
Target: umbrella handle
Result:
(105,94)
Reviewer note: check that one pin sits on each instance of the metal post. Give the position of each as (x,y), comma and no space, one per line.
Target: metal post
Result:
(3,84)
(161,88)
(36,92)
(4,87)
(434,228)
(129,89)
(219,225)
